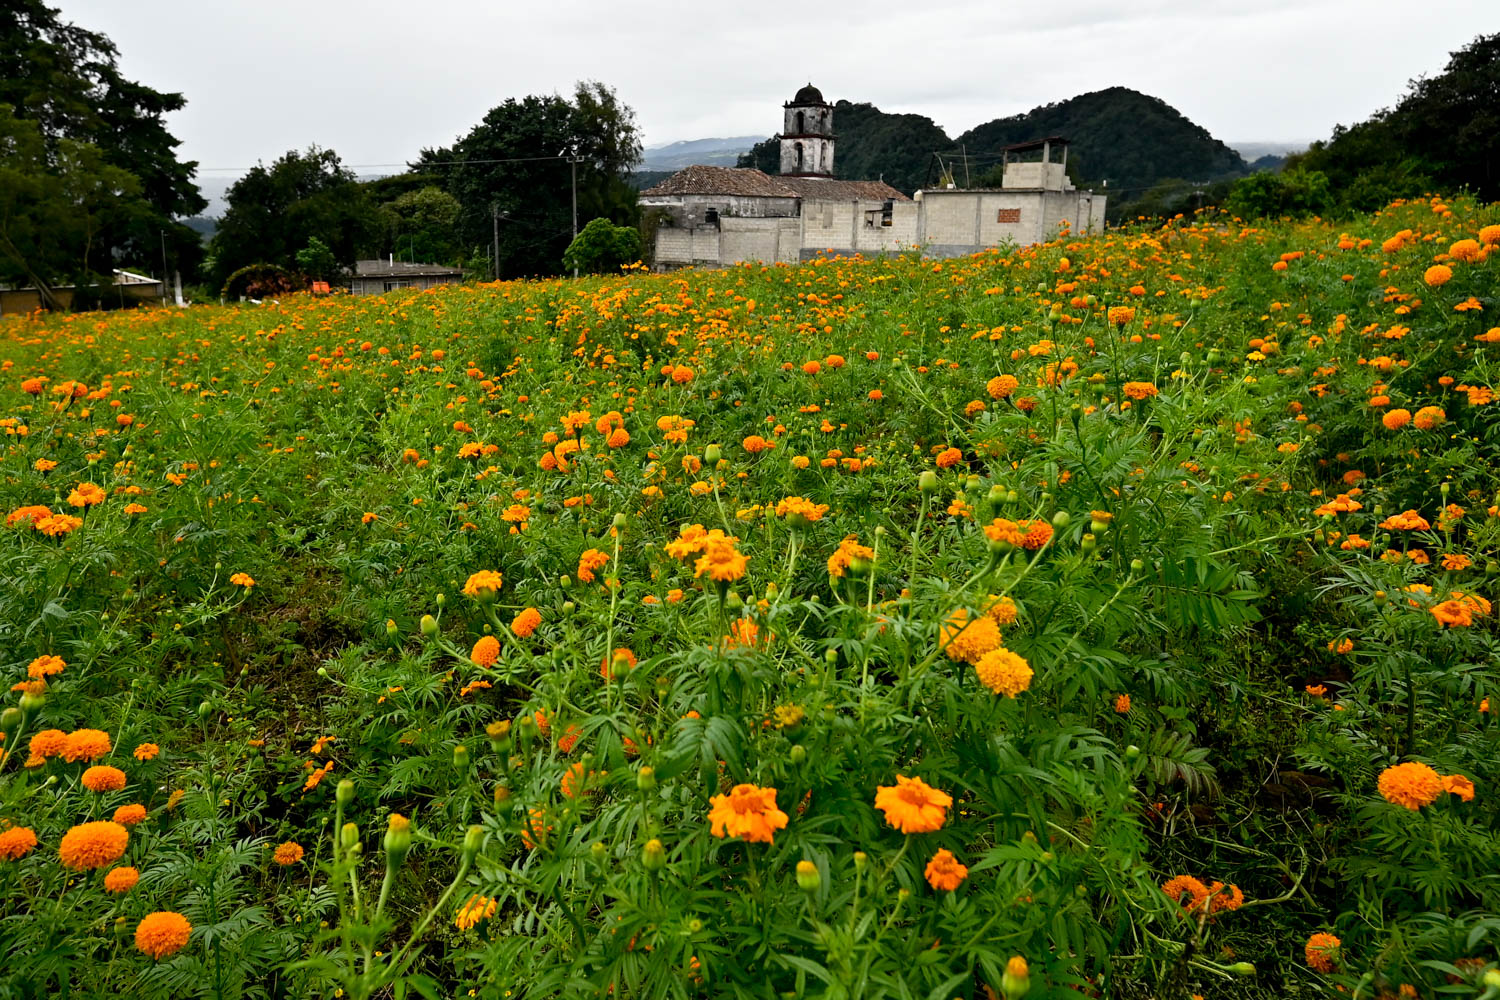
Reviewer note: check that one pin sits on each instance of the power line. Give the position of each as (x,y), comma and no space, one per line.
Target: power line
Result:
(406,164)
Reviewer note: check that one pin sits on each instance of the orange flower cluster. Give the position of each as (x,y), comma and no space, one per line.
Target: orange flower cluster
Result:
(1413,785)
(748,812)
(913,806)
(1030,535)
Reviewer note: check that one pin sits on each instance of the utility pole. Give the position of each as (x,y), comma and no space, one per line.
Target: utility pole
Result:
(163,233)
(495,246)
(573,162)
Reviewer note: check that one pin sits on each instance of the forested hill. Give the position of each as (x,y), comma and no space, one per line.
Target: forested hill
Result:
(1131,139)
(1120,135)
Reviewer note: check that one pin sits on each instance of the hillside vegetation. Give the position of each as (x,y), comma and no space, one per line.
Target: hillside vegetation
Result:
(1107,618)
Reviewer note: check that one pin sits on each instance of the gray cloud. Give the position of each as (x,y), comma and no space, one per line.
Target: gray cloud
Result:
(379,79)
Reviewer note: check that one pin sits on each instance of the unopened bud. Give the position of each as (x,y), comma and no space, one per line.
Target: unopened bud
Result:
(1087,542)
(1061,519)
(499,734)
(1016,981)
(441,600)
(502,794)
(1136,566)
(861,861)
(349,836)
(9,719)
(598,852)
(345,792)
(653,855)
(808,877)
(429,626)
(1380,598)
(1132,752)
(712,454)
(31,702)
(619,522)
(645,778)
(461,757)
(397,840)
(798,754)
(473,841)
(927,482)
(1242,969)
(391,631)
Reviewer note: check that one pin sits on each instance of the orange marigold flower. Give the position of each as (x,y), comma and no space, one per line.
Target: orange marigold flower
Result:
(843,557)
(287,853)
(1322,952)
(1139,390)
(1467,251)
(147,751)
(1406,521)
(1396,419)
(1230,898)
(944,871)
(591,560)
(1185,885)
(242,580)
(1428,417)
(1120,315)
(45,666)
(1457,784)
(1452,613)
(130,815)
(1003,671)
(967,640)
(798,508)
(1002,386)
(122,879)
(623,658)
(949,457)
(86,495)
(486,651)
(748,812)
(58,525)
(85,745)
(484,584)
(93,845)
(1122,704)
(103,778)
(162,934)
(48,743)
(476,909)
(1001,609)
(16,843)
(682,374)
(755,444)
(722,562)
(913,806)
(1438,275)
(32,515)
(1411,785)
(526,622)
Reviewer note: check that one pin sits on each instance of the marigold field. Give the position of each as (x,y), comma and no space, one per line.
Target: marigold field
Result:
(1108,618)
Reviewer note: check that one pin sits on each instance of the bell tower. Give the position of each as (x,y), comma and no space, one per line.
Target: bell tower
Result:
(807,135)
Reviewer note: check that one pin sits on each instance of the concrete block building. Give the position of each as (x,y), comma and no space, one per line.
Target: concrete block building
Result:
(717,216)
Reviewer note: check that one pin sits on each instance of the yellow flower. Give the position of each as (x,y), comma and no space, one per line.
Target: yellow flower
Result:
(1004,672)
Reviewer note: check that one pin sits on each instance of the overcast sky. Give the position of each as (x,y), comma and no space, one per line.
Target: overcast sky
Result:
(377,80)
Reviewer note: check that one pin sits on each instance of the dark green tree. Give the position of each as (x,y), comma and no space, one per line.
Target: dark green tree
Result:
(1295,193)
(1444,133)
(66,79)
(422,226)
(274,211)
(603,248)
(58,207)
(513,165)
(317,261)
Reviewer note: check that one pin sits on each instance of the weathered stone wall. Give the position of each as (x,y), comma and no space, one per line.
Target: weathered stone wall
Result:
(680,247)
(767,240)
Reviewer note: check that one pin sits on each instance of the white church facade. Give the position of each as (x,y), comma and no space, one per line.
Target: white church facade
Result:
(718,216)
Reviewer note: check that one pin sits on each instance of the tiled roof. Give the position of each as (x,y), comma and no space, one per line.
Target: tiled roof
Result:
(752,183)
(829,189)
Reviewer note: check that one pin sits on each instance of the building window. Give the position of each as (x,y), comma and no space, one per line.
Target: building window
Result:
(801,124)
(710,216)
(1008,215)
(799,157)
(886,211)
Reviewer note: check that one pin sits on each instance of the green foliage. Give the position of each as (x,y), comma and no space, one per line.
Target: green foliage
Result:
(422,225)
(534,197)
(1444,133)
(274,211)
(603,247)
(65,81)
(258,281)
(1295,193)
(317,261)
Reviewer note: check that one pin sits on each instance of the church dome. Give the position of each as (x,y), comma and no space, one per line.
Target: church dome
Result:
(809,95)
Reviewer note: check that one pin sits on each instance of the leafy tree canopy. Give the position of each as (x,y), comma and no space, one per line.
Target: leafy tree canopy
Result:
(514,164)
(274,211)
(66,80)
(603,247)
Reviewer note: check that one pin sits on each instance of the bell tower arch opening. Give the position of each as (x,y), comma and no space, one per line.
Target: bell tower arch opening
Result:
(807,135)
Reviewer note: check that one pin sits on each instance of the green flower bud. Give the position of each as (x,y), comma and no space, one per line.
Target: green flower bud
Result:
(391,631)
(10,719)
(798,755)
(1380,598)
(861,861)
(1016,982)
(461,757)
(619,522)
(733,601)
(429,626)
(473,841)
(499,734)
(653,855)
(1097,526)
(345,792)
(441,601)
(695,926)
(808,877)
(927,482)
(204,710)
(1242,969)
(397,840)
(1136,565)
(712,454)
(565,582)
(323,672)
(528,727)
(502,794)
(349,836)
(1132,752)
(645,778)
(31,702)
(598,852)
(1087,542)
(1061,519)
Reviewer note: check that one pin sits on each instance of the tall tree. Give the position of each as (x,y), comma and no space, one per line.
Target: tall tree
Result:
(514,166)
(67,80)
(274,211)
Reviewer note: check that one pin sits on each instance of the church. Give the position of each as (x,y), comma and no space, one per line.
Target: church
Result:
(717,216)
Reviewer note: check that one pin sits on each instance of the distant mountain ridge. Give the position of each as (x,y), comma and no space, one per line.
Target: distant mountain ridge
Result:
(721,152)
